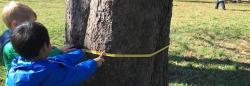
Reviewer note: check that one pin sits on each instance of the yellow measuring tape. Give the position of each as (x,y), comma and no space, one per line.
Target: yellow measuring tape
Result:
(127,55)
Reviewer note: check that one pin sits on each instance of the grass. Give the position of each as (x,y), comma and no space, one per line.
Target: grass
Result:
(208,46)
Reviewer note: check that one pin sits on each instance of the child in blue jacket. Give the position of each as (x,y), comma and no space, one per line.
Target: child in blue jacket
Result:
(34,68)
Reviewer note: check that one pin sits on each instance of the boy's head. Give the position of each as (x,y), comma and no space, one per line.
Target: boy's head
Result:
(31,40)
(16,13)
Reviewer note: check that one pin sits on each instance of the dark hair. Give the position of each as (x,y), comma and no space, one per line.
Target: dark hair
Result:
(28,39)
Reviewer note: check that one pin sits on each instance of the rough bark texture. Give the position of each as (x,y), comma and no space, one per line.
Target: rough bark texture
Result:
(76,22)
(129,26)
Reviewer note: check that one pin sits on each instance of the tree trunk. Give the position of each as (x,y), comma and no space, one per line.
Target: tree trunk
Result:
(127,27)
(76,22)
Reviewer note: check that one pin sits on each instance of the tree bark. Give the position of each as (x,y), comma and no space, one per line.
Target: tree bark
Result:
(128,27)
(77,13)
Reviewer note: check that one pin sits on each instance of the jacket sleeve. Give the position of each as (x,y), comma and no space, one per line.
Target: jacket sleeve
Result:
(83,71)
(70,58)
(73,76)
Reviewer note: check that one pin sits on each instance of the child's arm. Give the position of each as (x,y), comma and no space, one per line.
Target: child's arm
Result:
(70,58)
(8,55)
(76,75)
(86,69)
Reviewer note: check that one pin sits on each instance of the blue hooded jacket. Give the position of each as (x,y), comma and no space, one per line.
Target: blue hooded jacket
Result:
(62,70)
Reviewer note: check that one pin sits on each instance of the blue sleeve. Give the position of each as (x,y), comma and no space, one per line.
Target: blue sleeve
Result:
(70,58)
(72,76)
(83,71)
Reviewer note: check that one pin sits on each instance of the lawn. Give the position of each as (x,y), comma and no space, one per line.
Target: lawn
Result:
(208,46)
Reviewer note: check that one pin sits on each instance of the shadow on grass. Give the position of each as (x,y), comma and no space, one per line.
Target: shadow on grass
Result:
(235,50)
(205,61)
(238,10)
(205,77)
(195,1)
(245,2)
(214,44)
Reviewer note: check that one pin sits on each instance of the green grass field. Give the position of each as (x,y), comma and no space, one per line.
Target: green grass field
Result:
(208,46)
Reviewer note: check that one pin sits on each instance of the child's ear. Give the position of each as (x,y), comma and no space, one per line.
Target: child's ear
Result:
(13,24)
(49,45)
(46,45)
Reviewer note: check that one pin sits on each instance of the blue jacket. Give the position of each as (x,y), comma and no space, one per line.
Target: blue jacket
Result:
(61,70)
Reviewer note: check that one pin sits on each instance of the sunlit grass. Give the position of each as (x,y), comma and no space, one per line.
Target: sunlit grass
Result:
(205,41)
(208,46)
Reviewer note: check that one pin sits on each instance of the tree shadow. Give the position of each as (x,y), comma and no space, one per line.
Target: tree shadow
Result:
(192,1)
(245,5)
(211,40)
(200,76)
(244,2)
(31,1)
(195,1)
(205,61)
(216,45)
(238,10)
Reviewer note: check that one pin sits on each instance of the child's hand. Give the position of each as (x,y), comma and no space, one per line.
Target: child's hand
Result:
(99,60)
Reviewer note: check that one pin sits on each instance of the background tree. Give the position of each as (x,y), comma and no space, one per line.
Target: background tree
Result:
(123,26)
